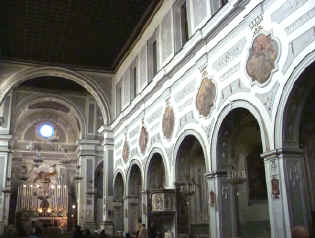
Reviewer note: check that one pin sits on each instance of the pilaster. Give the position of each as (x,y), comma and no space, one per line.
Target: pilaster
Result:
(108,160)
(285,178)
(222,220)
(87,152)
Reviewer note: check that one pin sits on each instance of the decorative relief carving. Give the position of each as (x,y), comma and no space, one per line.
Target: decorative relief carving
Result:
(134,132)
(143,140)
(286,9)
(300,21)
(168,121)
(231,71)
(125,152)
(186,119)
(230,55)
(294,176)
(297,46)
(268,98)
(155,115)
(255,24)
(134,152)
(235,87)
(188,89)
(225,192)
(262,58)
(206,95)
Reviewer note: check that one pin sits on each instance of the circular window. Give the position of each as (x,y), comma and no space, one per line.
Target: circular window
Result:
(46,130)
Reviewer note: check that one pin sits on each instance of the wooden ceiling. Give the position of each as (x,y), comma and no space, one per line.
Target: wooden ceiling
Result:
(89,33)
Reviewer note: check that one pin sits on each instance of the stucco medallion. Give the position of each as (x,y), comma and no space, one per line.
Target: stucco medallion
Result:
(262,57)
(143,140)
(168,121)
(125,152)
(205,97)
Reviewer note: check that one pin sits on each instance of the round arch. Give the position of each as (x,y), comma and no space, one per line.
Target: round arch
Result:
(117,173)
(35,72)
(223,114)
(198,137)
(285,96)
(60,99)
(133,163)
(153,152)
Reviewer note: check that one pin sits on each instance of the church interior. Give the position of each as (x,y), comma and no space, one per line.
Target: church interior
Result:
(193,118)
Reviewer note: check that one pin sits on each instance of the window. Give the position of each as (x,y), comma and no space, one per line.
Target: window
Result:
(183,23)
(46,130)
(180,24)
(118,98)
(133,82)
(153,56)
(216,5)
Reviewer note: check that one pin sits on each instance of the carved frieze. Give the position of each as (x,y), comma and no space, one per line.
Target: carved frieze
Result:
(205,96)
(143,140)
(262,58)
(168,121)
(125,152)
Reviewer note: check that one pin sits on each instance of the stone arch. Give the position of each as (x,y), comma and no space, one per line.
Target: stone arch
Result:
(15,80)
(282,111)
(198,137)
(119,172)
(60,99)
(132,164)
(223,114)
(154,151)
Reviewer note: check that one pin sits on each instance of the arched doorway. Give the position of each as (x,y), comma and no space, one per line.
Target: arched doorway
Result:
(191,189)
(298,135)
(160,218)
(118,204)
(99,191)
(244,191)
(134,199)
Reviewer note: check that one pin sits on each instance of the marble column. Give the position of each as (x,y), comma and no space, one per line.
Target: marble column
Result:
(87,160)
(285,178)
(223,223)
(108,167)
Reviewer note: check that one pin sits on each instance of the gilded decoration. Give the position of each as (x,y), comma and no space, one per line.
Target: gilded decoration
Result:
(143,140)
(125,153)
(168,121)
(262,58)
(206,95)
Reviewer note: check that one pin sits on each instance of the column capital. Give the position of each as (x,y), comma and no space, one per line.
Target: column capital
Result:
(278,153)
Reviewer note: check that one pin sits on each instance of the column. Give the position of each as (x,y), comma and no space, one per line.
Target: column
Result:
(223,223)
(108,160)
(86,192)
(285,178)
(5,159)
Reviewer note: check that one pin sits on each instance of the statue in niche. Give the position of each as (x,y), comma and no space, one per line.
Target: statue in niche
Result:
(168,121)
(262,57)
(205,96)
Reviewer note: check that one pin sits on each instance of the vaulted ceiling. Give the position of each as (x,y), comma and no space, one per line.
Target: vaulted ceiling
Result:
(91,33)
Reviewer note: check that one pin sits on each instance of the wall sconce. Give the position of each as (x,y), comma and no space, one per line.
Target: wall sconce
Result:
(1,120)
